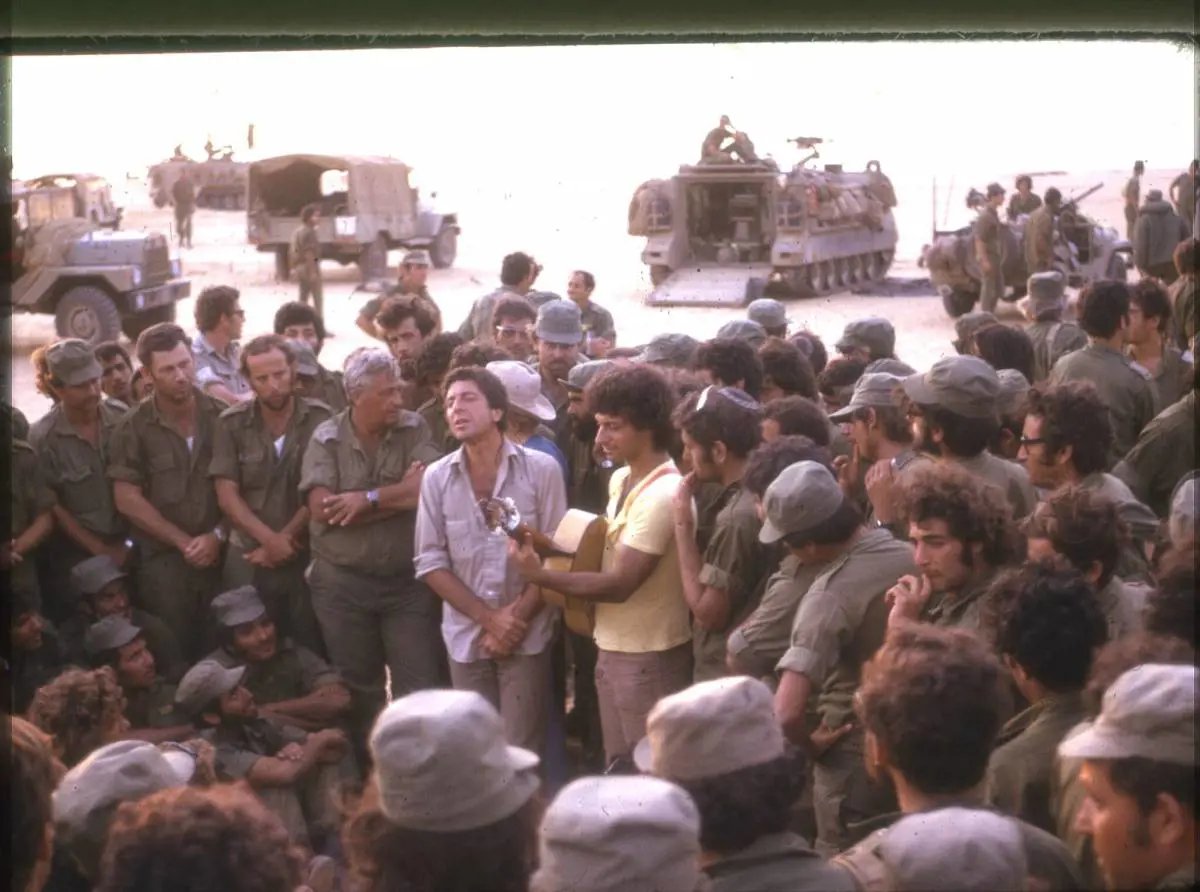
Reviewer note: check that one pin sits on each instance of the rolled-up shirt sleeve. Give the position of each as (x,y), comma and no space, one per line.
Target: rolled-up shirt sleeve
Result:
(819,630)
(319,467)
(430,546)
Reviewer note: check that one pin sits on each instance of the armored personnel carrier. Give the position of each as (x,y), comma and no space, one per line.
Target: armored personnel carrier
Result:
(721,233)
(220,181)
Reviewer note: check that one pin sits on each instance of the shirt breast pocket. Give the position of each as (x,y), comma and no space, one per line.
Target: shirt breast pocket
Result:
(81,490)
(168,482)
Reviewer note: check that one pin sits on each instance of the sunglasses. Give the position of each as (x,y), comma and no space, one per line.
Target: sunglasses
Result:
(1032,441)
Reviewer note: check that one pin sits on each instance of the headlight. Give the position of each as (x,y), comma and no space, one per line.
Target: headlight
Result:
(137,276)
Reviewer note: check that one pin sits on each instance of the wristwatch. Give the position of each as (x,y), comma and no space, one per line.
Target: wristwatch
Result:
(373,497)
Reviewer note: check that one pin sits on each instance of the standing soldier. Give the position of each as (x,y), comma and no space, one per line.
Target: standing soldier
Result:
(306,258)
(1025,200)
(413,272)
(1039,233)
(1183,193)
(158,462)
(183,193)
(987,249)
(1132,193)
(1155,234)
(1052,337)
(300,322)
(72,442)
(257,452)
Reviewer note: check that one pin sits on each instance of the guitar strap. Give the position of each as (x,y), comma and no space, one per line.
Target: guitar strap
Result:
(661,471)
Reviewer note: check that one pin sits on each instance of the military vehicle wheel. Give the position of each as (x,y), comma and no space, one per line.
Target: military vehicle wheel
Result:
(88,313)
(139,322)
(885,261)
(659,274)
(1118,269)
(823,277)
(841,272)
(283,269)
(956,301)
(444,248)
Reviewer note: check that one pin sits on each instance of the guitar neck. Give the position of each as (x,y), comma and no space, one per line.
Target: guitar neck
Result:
(542,543)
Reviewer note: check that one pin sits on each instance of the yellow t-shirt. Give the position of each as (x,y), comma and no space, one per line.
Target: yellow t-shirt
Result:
(655,617)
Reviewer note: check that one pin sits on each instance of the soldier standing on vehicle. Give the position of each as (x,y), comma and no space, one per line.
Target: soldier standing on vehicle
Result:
(1039,232)
(1183,193)
(306,258)
(711,150)
(1025,200)
(988,229)
(1132,194)
(183,193)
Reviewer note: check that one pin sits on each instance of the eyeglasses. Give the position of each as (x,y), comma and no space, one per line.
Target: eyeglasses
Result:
(241,314)
(735,395)
(513,329)
(1026,442)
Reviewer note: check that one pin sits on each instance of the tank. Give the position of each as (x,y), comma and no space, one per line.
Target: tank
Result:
(220,181)
(723,232)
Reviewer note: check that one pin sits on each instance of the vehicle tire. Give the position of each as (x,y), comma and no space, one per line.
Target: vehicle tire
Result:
(444,248)
(88,313)
(957,302)
(283,269)
(136,324)
(1118,269)
(659,273)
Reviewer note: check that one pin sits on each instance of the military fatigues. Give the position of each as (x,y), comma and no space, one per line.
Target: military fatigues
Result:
(372,610)
(153,707)
(1009,477)
(1122,605)
(1132,193)
(737,563)
(1023,204)
(330,389)
(215,367)
(293,672)
(991,285)
(1183,311)
(433,411)
(1172,380)
(1143,523)
(160,641)
(31,497)
(75,470)
(1020,771)
(147,452)
(904,465)
(1051,341)
(1124,388)
(306,264)
(760,642)
(778,862)
(964,611)
(598,322)
(267,477)
(1039,241)
(478,324)
(1165,451)
(841,622)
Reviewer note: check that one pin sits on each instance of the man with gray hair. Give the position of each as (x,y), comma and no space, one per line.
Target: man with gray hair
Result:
(361,477)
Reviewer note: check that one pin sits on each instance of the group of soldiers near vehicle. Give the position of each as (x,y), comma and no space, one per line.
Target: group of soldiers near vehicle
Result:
(941,622)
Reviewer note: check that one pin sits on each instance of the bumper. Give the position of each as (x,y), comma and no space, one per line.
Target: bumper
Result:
(159,295)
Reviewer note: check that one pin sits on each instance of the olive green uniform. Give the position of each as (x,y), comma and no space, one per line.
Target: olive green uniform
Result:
(160,641)
(1122,604)
(153,707)
(1023,204)
(294,672)
(987,232)
(31,497)
(738,564)
(1164,453)
(306,264)
(372,610)
(1008,476)
(1172,380)
(1132,193)
(760,642)
(777,862)
(840,624)
(1142,522)
(1183,311)
(1039,240)
(75,470)
(268,479)
(1124,388)
(965,610)
(598,322)
(433,410)
(478,324)
(147,452)
(904,465)
(1020,771)
(1052,340)
(329,389)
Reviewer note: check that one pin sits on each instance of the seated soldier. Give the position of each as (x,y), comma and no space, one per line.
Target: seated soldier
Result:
(291,683)
(149,699)
(104,591)
(291,771)
(34,655)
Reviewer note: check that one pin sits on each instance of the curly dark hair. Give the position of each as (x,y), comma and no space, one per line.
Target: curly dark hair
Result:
(974,511)
(1145,779)
(934,699)
(812,347)
(477,353)
(81,710)
(34,772)
(514,308)
(961,436)
(1122,654)
(397,310)
(1073,415)
(1083,526)
(213,303)
(436,356)
(721,420)
(1150,296)
(189,839)
(1102,306)
(640,394)
(841,372)
(730,361)
(769,460)
(744,805)
(1006,347)
(109,350)
(1171,608)
(295,313)
(386,858)
(489,385)
(891,420)
(798,415)
(1046,617)
(162,337)
(515,267)
(787,368)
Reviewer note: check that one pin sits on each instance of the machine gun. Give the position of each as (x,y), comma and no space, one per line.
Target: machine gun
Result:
(1075,199)
(807,142)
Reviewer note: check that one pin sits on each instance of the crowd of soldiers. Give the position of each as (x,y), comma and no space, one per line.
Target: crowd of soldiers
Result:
(266,635)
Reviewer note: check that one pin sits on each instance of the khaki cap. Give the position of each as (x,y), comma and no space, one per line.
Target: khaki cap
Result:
(559,322)
(669,349)
(967,324)
(1014,391)
(619,834)
(523,385)
(580,375)
(709,729)
(205,682)
(743,330)
(800,499)
(237,606)
(108,634)
(72,362)
(995,189)
(953,849)
(91,575)
(767,312)
(964,385)
(875,391)
(416,258)
(306,360)
(1046,290)
(1149,713)
(443,765)
(874,332)
(889,366)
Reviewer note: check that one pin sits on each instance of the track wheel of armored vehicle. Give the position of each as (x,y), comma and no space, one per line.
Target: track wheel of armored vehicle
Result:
(136,324)
(823,277)
(88,313)
(956,301)
(444,248)
(659,274)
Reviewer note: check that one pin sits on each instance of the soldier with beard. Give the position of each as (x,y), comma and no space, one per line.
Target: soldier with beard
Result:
(559,331)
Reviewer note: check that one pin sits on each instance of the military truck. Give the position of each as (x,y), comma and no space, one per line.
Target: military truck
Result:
(1084,251)
(723,233)
(97,282)
(220,181)
(89,195)
(367,208)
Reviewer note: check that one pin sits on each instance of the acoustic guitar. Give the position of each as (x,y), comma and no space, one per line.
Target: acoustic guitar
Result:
(577,545)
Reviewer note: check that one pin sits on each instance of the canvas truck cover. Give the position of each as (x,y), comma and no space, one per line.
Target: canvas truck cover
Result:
(378,185)
(52,241)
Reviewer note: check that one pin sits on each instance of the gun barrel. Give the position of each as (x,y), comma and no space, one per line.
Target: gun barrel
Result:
(1084,194)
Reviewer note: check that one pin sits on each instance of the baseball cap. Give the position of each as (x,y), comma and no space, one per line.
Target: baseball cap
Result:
(964,385)
(237,606)
(1149,713)
(416,258)
(889,366)
(800,499)
(709,729)
(443,765)
(767,312)
(91,575)
(72,362)
(669,349)
(580,375)
(108,634)
(524,388)
(953,849)
(306,360)
(745,330)
(559,322)
(205,682)
(1045,290)
(967,324)
(619,833)
(1014,389)
(873,332)
(874,390)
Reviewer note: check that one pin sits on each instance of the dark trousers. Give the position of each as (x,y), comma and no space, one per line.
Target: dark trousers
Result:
(180,594)
(285,594)
(183,227)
